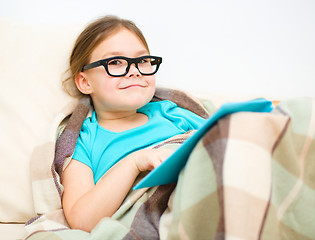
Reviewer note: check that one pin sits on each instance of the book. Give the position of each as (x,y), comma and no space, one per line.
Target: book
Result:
(169,170)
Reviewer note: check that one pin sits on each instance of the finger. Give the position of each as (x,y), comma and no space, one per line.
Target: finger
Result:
(156,162)
(166,153)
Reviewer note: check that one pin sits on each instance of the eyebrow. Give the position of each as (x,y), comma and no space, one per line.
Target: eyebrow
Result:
(116,53)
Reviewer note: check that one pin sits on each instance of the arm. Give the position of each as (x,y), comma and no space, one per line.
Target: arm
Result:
(85,203)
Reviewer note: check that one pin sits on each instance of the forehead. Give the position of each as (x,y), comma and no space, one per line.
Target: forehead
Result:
(122,42)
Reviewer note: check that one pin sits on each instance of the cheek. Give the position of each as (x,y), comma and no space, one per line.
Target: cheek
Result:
(99,73)
(152,85)
(101,79)
(106,85)
(151,80)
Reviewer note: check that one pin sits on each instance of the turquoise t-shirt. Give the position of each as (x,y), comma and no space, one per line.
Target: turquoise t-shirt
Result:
(100,148)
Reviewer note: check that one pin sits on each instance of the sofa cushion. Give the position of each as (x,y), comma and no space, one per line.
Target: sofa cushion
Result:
(33,62)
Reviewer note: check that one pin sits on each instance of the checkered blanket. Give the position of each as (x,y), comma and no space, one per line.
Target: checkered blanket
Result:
(251,176)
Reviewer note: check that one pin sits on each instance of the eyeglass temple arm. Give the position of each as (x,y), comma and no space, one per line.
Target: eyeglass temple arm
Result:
(92,65)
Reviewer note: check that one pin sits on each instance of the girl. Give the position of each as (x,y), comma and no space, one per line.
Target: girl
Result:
(111,62)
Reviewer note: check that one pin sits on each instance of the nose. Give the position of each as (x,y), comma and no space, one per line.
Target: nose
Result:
(133,71)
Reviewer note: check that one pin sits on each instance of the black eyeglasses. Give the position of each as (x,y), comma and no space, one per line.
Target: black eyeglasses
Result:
(119,66)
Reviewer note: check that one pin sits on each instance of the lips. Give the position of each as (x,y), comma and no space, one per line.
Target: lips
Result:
(126,85)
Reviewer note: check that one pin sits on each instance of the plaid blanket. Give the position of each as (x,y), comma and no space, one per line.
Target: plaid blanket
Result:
(250,177)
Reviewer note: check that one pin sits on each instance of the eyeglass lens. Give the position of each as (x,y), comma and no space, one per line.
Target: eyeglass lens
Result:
(118,66)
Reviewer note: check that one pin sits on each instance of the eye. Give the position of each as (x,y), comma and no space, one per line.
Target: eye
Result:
(144,60)
(115,62)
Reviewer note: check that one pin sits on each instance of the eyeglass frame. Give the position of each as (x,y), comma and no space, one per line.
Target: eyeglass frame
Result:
(104,63)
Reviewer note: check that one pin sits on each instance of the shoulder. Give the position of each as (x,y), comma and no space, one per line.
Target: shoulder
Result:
(89,126)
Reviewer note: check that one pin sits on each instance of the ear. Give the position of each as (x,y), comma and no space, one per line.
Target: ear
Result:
(83,83)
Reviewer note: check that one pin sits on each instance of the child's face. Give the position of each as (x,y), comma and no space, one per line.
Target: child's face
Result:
(126,93)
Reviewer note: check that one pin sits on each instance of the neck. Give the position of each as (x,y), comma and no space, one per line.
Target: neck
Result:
(121,121)
(115,115)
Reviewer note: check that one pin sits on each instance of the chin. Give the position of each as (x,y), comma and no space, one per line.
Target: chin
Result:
(138,103)
(139,98)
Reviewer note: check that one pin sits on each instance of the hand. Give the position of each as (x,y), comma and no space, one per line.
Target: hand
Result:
(148,159)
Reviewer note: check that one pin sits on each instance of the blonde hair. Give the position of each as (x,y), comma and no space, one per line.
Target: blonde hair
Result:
(88,40)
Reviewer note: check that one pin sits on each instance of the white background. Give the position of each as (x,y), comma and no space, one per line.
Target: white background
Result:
(231,47)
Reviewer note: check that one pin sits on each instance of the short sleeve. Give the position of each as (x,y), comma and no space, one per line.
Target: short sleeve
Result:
(181,117)
(193,120)
(82,149)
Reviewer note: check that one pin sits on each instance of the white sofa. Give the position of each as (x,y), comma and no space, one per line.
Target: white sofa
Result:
(33,60)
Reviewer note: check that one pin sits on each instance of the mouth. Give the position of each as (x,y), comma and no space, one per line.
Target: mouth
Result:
(133,85)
